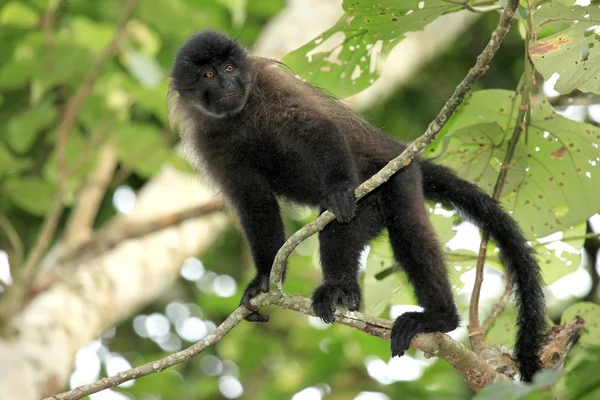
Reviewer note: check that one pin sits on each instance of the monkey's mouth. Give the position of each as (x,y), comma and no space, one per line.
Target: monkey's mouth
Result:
(229,95)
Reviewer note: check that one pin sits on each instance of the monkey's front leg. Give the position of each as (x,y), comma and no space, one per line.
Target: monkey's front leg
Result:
(261,221)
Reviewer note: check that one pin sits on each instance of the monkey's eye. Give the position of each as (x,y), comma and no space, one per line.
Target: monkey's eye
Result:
(229,68)
(209,74)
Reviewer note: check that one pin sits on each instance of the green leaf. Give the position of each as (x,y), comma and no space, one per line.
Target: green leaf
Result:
(555,173)
(342,60)
(546,378)
(79,160)
(141,147)
(389,19)
(32,194)
(476,153)
(17,14)
(378,293)
(572,52)
(504,329)
(558,258)
(237,9)
(90,34)
(24,63)
(591,313)
(583,380)
(11,164)
(503,391)
(24,127)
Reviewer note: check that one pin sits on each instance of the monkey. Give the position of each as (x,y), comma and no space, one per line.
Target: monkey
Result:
(261,135)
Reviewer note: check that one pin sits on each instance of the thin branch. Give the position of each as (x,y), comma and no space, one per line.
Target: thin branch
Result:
(77,101)
(412,150)
(13,238)
(475,330)
(107,238)
(499,307)
(81,220)
(477,8)
(12,302)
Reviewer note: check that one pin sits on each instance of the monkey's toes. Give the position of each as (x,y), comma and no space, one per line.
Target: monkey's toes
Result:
(258,285)
(330,295)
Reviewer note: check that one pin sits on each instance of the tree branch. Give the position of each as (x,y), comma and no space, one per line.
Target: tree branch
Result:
(81,220)
(121,230)
(476,372)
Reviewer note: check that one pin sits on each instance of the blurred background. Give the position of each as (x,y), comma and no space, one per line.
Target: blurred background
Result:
(115,252)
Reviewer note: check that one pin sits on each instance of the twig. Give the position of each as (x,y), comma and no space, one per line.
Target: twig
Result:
(107,238)
(475,330)
(14,239)
(76,102)
(499,307)
(12,302)
(477,8)
(412,150)
(81,220)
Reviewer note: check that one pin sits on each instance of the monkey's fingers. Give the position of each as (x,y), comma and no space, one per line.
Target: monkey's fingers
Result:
(257,317)
(342,204)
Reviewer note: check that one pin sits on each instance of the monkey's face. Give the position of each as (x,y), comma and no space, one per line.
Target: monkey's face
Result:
(211,72)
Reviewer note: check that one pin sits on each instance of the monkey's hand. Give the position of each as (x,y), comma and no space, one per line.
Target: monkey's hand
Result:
(329,295)
(258,285)
(342,203)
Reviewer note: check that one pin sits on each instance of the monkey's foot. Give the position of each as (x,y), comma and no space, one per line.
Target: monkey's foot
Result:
(410,324)
(258,285)
(329,295)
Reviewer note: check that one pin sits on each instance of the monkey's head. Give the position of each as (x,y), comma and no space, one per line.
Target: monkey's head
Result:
(211,73)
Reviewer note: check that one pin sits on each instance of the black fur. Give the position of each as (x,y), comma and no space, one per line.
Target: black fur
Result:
(261,133)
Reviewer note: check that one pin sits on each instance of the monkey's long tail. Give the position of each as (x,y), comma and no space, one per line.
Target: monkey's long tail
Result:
(442,185)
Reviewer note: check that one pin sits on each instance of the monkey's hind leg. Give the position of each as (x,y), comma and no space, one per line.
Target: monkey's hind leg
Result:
(340,247)
(417,250)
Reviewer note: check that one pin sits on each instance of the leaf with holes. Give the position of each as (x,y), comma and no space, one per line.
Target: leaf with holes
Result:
(554,179)
(563,174)
(390,19)
(476,153)
(572,52)
(342,60)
